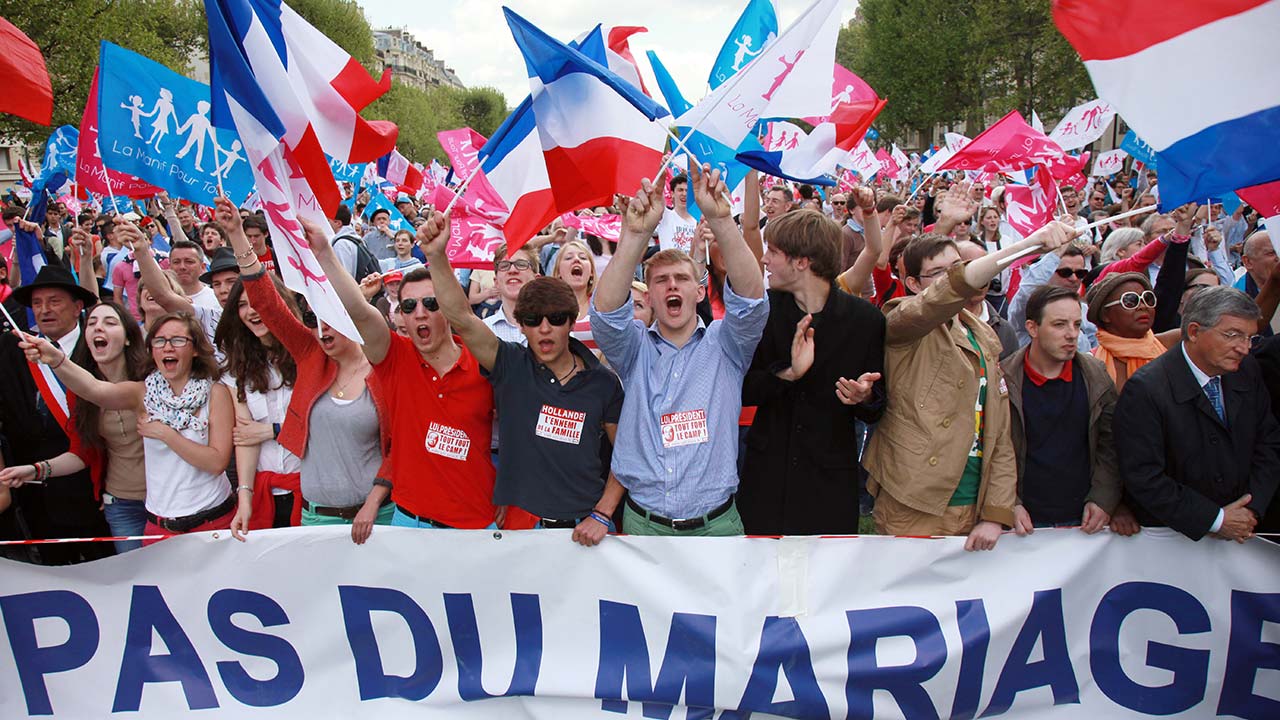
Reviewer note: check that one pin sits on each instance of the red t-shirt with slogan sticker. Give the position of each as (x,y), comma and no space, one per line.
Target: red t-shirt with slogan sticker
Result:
(440,432)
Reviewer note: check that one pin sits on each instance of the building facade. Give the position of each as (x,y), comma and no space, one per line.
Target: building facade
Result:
(411,62)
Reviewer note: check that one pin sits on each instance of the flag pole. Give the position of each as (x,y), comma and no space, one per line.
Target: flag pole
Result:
(106,176)
(1080,231)
(461,189)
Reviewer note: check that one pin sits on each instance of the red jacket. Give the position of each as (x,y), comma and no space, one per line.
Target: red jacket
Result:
(316,371)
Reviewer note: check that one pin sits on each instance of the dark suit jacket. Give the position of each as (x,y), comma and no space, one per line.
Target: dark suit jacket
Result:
(800,474)
(1179,462)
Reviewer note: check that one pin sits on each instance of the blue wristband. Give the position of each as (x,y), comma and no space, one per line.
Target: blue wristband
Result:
(601,519)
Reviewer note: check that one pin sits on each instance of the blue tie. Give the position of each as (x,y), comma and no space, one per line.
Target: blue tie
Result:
(1213,389)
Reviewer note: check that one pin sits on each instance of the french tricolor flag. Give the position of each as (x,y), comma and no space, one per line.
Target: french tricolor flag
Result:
(397,169)
(1197,80)
(596,129)
(513,163)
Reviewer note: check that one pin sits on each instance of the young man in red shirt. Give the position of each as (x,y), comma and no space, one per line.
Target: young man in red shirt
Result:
(440,406)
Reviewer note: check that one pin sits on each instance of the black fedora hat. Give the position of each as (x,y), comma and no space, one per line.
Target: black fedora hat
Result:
(54,276)
(223,260)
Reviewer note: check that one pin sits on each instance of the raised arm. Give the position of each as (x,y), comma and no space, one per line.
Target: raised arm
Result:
(82,251)
(978,273)
(954,206)
(152,276)
(742,267)
(369,322)
(176,233)
(433,238)
(751,216)
(643,214)
(106,395)
(863,200)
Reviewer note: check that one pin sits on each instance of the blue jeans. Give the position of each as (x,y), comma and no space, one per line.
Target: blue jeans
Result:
(400,519)
(125,518)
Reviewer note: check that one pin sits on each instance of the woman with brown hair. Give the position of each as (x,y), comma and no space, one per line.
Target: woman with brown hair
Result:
(260,372)
(113,350)
(184,417)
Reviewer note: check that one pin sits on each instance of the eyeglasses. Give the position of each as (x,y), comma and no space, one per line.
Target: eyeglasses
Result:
(504,265)
(408,305)
(1234,337)
(939,272)
(1131,300)
(1065,273)
(535,319)
(173,342)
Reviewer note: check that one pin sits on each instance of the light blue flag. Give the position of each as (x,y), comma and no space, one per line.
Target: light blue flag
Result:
(379,201)
(1139,149)
(155,124)
(720,157)
(670,92)
(756,27)
(59,163)
(346,172)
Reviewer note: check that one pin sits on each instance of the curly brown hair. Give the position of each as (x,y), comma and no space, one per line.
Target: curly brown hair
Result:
(250,359)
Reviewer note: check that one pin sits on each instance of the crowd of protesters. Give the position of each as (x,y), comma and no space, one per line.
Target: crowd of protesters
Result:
(803,364)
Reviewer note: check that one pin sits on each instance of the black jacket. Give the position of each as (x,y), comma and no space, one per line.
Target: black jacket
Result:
(1178,461)
(800,474)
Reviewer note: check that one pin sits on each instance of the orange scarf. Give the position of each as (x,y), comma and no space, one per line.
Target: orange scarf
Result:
(1135,352)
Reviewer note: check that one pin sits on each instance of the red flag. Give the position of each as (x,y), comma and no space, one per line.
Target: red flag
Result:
(1011,144)
(1070,167)
(1263,198)
(28,93)
(1030,207)
(91,175)
(620,45)
(887,165)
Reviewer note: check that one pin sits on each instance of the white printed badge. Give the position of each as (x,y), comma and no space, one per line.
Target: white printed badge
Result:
(560,425)
(447,442)
(688,427)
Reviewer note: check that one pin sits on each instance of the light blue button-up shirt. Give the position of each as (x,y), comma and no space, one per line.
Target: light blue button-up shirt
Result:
(677,442)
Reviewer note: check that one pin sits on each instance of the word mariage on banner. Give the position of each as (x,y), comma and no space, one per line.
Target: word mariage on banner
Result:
(155,124)
(1057,625)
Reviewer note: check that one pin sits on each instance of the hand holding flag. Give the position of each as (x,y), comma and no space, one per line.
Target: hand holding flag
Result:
(710,193)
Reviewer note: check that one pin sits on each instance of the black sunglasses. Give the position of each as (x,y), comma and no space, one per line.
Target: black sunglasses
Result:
(535,319)
(1068,272)
(408,305)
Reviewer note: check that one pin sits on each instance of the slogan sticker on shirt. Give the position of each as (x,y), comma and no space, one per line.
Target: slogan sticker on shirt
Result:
(688,427)
(560,425)
(447,442)
(1004,387)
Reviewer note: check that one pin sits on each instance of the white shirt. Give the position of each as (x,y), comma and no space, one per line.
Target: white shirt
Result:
(205,297)
(1202,380)
(505,329)
(675,231)
(176,488)
(67,342)
(270,408)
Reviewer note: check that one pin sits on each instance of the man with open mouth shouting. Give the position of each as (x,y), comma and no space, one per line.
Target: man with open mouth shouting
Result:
(678,435)
(440,408)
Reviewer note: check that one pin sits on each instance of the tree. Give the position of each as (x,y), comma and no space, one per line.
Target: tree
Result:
(421,114)
(343,21)
(942,62)
(170,32)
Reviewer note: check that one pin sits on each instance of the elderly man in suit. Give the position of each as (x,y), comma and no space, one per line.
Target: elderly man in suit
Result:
(1200,450)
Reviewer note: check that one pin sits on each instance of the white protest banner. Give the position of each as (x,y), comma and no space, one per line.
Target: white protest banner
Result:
(1109,163)
(864,162)
(1083,124)
(301,623)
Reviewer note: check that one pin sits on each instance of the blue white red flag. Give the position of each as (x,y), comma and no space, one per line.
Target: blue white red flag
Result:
(596,129)
(293,95)
(1144,69)
(397,169)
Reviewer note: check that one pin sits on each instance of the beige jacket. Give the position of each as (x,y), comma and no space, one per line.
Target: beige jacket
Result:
(920,447)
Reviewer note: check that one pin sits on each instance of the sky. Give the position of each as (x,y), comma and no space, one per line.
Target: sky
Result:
(471,36)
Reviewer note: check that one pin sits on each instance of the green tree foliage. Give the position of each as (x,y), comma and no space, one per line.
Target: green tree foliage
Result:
(420,115)
(942,62)
(67,33)
(343,22)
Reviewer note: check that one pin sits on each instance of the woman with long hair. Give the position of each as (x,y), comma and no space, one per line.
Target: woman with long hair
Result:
(575,265)
(990,238)
(114,351)
(260,373)
(185,418)
(337,418)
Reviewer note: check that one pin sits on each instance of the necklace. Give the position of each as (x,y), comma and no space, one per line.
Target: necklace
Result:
(341,394)
(572,369)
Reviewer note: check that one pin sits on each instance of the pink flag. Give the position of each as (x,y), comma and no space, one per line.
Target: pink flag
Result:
(474,238)
(846,89)
(1009,145)
(606,227)
(888,167)
(462,146)
(1070,167)
(1030,207)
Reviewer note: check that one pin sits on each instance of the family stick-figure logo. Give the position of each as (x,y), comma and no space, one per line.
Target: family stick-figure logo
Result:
(198,129)
(283,218)
(782,76)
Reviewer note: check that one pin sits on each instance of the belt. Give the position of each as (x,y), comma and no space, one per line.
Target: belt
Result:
(686,524)
(424,519)
(345,513)
(186,524)
(552,524)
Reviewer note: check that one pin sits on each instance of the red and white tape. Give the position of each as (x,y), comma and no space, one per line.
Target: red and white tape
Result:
(52,541)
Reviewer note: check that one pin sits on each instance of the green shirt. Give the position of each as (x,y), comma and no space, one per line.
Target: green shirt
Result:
(967,491)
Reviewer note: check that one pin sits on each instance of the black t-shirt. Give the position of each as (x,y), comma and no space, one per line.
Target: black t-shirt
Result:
(551,433)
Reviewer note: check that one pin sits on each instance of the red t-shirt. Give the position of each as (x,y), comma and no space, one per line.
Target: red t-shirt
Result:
(441,428)
(268,260)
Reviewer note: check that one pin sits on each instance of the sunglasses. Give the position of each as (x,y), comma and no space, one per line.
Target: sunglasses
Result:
(1131,300)
(1065,273)
(408,305)
(837,202)
(309,319)
(557,319)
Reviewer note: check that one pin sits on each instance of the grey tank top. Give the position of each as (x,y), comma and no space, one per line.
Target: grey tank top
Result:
(343,453)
